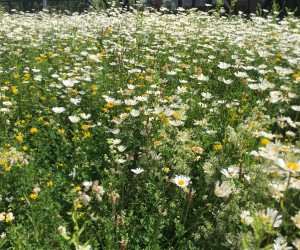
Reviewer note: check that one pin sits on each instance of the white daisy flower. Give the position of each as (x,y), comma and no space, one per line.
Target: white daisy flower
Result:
(137,170)
(74,118)
(296,219)
(223,65)
(85,116)
(230,172)
(58,110)
(181,180)
(121,148)
(134,112)
(289,166)
(223,190)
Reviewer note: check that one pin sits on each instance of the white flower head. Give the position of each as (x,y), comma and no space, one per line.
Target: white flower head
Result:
(223,65)
(58,110)
(69,83)
(85,116)
(223,190)
(296,108)
(275,96)
(182,181)
(75,101)
(296,219)
(74,118)
(134,112)
(87,183)
(289,166)
(271,217)
(137,170)
(121,148)
(280,243)
(230,172)
(62,229)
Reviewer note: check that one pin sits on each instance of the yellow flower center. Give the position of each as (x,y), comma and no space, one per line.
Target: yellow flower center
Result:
(265,141)
(292,165)
(181,182)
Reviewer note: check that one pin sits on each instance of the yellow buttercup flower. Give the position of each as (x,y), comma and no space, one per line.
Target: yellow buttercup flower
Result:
(33,130)
(218,147)
(33,196)
(264,141)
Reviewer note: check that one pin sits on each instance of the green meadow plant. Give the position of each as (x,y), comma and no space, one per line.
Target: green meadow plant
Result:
(143,130)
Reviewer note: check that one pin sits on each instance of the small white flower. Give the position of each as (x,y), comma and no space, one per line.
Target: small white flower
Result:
(62,229)
(120,161)
(228,81)
(88,247)
(74,118)
(296,243)
(281,244)
(7,103)
(134,112)
(296,219)
(87,183)
(230,172)
(207,95)
(58,110)
(296,108)
(223,65)
(246,216)
(69,83)
(75,101)
(181,180)
(223,190)
(275,96)
(137,170)
(121,148)
(85,116)
(241,74)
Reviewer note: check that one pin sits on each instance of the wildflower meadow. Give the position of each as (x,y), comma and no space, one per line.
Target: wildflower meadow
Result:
(149,130)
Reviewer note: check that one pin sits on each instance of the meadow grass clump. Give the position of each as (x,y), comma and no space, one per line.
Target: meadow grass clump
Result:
(139,130)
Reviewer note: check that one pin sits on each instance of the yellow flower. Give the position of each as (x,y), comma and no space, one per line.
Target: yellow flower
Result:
(94,87)
(79,205)
(33,130)
(78,188)
(61,131)
(14,90)
(264,141)
(22,199)
(85,127)
(49,183)
(87,134)
(33,196)
(8,168)
(25,148)
(3,162)
(158,143)
(217,147)
(166,169)
(19,138)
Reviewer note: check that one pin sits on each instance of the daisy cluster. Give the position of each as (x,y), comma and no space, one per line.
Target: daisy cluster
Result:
(188,124)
